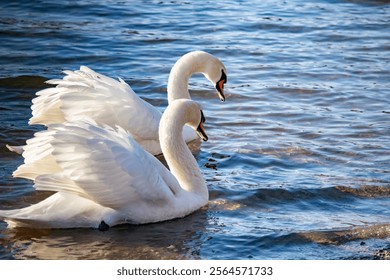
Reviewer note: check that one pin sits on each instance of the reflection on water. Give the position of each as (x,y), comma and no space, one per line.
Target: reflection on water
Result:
(297,161)
(177,239)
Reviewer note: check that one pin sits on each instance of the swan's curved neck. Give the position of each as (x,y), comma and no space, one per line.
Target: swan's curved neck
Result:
(179,158)
(181,72)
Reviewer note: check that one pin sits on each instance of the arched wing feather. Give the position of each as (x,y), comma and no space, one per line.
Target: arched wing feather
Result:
(85,93)
(108,166)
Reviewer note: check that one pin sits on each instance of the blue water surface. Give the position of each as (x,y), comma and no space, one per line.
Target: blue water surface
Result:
(297,161)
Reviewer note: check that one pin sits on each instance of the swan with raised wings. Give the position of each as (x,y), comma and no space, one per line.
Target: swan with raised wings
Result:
(85,93)
(102,177)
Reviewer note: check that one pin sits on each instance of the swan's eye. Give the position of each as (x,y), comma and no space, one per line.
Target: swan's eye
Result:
(202,117)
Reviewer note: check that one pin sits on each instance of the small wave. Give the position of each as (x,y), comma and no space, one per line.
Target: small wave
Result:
(366,191)
(342,236)
(329,237)
(338,193)
(288,195)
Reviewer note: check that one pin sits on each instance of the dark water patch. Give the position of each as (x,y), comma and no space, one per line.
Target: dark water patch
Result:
(342,198)
(24,82)
(279,196)
(367,2)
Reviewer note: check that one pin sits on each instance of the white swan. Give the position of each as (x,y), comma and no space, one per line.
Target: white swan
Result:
(102,177)
(107,101)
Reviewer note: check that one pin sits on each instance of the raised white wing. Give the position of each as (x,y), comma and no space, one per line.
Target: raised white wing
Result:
(85,93)
(106,166)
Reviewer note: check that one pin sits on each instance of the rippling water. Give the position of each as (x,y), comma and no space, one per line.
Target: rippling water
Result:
(298,158)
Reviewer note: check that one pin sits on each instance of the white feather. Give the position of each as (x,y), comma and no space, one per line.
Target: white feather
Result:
(102,174)
(85,93)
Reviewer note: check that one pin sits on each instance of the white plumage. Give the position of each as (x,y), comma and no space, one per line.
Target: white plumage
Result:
(102,175)
(85,93)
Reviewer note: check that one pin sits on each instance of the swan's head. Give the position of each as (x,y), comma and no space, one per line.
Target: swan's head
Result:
(196,119)
(216,73)
(196,62)
(193,115)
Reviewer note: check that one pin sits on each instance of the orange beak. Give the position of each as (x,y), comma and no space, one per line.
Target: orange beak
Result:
(219,86)
(201,132)
(221,94)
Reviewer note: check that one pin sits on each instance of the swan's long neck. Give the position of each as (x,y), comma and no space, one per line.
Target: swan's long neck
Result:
(179,158)
(181,72)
